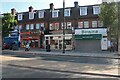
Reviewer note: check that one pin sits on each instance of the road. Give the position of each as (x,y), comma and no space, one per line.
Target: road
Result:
(42,66)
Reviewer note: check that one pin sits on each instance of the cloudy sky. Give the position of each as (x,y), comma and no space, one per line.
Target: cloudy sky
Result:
(22,5)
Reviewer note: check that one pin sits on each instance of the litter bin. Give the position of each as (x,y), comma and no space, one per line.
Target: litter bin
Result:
(48,48)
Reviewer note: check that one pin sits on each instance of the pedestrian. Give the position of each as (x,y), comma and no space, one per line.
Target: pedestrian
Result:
(111,47)
(27,47)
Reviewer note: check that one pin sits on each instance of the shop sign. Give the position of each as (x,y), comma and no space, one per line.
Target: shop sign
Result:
(90,31)
(88,37)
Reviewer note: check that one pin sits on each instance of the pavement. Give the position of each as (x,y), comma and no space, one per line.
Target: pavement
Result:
(102,54)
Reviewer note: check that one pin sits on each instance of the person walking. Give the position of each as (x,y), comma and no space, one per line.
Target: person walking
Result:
(111,47)
(27,47)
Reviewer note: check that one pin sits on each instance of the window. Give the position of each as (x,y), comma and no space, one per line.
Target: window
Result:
(94,24)
(20,17)
(100,23)
(86,24)
(27,27)
(83,10)
(20,27)
(31,15)
(37,26)
(80,24)
(56,26)
(67,12)
(55,14)
(63,25)
(42,26)
(96,9)
(41,14)
(51,26)
(69,26)
(31,26)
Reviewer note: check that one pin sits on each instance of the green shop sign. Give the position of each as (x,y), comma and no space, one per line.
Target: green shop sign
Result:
(88,37)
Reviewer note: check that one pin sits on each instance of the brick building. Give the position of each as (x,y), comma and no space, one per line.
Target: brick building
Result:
(42,27)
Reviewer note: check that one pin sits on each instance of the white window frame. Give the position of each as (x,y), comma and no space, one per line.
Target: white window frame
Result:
(31,15)
(55,11)
(37,26)
(100,23)
(94,24)
(80,24)
(63,25)
(51,26)
(85,24)
(31,26)
(85,11)
(69,24)
(27,26)
(56,27)
(41,14)
(65,13)
(96,10)
(20,17)
(42,26)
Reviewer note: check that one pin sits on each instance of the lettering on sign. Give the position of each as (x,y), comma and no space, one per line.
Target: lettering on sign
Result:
(89,31)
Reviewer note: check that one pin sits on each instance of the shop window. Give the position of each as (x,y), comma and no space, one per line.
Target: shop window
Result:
(27,27)
(86,24)
(67,12)
(83,11)
(94,24)
(69,25)
(80,24)
(41,14)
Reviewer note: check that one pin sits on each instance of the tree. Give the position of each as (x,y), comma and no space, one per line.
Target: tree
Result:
(108,16)
(8,22)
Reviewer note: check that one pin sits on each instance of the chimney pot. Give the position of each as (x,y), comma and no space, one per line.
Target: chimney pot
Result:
(51,6)
(13,11)
(30,9)
(76,4)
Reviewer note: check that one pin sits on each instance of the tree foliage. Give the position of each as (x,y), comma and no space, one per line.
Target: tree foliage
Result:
(108,15)
(8,22)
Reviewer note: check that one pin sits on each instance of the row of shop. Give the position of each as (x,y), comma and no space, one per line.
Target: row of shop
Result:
(82,40)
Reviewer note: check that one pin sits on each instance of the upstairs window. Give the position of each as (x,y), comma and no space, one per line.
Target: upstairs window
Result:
(31,26)
(37,26)
(42,26)
(100,23)
(56,26)
(86,24)
(55,13)
(80,24)
(69,25)
(67,12)
(41,14)
(63,25)
(96,10)
(51,26)
(83,11)
(20,17)
(94,24)
(31,15)
(27,27)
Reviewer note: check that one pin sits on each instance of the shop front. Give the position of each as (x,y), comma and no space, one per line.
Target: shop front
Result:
(91,40)
(56,41)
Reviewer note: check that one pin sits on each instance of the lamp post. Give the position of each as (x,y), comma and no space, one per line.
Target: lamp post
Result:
(63,26)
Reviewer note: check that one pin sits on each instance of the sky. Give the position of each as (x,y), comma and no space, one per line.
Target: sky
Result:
(22,5)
